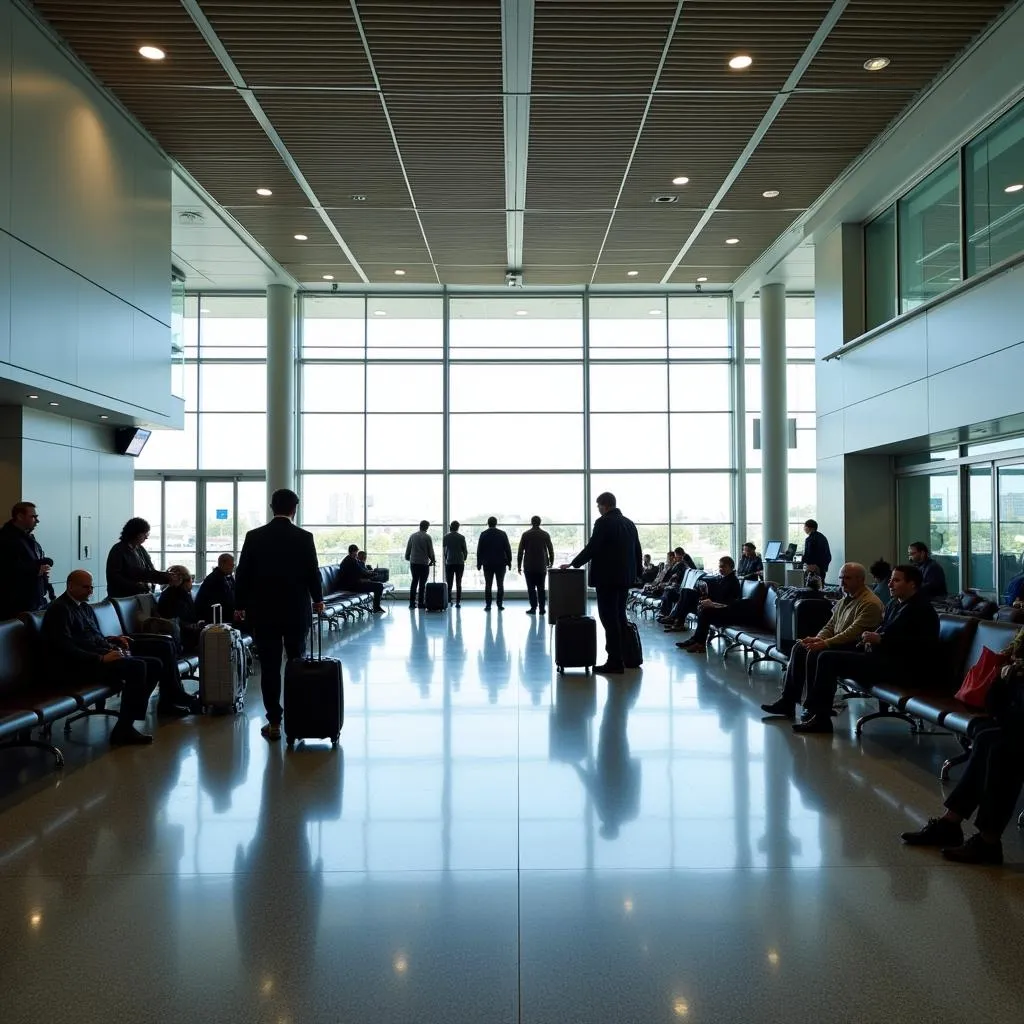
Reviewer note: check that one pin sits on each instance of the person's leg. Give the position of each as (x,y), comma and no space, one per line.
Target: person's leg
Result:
(173,695)
(793,684)
(531,588)
(830,667)
(270,645)
(1002,786)
(372,587)
(488,584)
(668,601)
(608,613)
(424,580)
(459,570)
(138,678)
(542,593)
(499,576)
(449,578)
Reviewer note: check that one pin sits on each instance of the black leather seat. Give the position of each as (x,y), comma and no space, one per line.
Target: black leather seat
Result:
(125,615)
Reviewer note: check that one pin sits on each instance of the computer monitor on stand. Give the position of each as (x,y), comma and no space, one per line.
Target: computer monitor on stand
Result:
(772,550)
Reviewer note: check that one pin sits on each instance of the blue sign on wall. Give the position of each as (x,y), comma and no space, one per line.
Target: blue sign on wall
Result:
(222,513)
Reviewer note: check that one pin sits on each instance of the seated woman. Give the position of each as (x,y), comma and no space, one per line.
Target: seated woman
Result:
(175,602)
(880,572)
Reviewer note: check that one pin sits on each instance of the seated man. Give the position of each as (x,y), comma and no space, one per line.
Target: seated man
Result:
(933,578)
(219,588)
(74,647)
(723,591)
(905,644)
(751,567)
(355,576)
(856,612)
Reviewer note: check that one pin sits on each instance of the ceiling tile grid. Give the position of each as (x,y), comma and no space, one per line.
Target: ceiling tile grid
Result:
(648,235)
(466,239)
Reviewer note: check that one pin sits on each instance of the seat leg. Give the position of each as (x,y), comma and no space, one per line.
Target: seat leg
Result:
(730,647)
(756,660)
(87,713)
(886,711)
(25,740)
(952,762)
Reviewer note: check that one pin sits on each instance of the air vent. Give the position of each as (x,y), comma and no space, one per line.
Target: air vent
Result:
(665,199)
(191,217)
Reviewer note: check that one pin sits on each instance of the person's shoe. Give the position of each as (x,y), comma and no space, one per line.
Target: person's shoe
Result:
(975,851)
(698,647)
(271,731)
(128,736)
(543,610)
(501,607)
(412,607)
(938,832)
(780,709)
(378,611)
(531,611)
(487,607)
(171,710)
(458,604)
(682,644)
(815,724)
(607,669)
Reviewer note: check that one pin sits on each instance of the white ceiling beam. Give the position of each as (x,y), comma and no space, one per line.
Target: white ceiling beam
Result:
(811,51)
(516,77)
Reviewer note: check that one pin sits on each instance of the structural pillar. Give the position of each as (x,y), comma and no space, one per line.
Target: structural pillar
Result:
(774,425)
(280,388)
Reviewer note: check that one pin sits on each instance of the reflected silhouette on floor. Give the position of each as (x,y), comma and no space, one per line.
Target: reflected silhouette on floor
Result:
(494,659)
(534,661)
(420,664)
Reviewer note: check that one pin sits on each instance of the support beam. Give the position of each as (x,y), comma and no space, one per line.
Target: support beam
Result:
(280,388)
(774,426)
(516,76)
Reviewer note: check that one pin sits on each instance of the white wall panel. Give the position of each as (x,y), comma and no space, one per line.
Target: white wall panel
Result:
(5,297)
(151,235)
(830,436)
(5,115)
(149,373)
(45,426)
(895,416)
(977,391)
(875,369)
(828,385)
(46,480)
(85,501)
(831,514)
(104,351)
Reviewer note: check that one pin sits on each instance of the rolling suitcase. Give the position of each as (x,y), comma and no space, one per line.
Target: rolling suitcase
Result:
(435,596)
(575,642)
(632,649)
(314,695)
(567,593)
(221,666)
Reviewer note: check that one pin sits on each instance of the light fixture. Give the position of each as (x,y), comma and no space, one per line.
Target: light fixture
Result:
(731,241)
(701,280)
(55,404)
(32,396)
(681,180)
(654,312)
(264,192)
(301,238)
(380,312)
(399,273)
(632,273)
(522,312)
(328,277)
(35,919)
(1010,189)
(770,193)
(665,199)
(151,52)
(741,61)
(358,197)
(400,963)
(876,63)
(103,416)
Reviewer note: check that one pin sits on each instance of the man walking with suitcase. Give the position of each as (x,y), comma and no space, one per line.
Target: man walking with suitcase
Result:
(615,564)
(276,584)
(494,556)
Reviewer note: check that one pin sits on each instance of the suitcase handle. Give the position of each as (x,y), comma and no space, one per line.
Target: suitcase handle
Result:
(218,614)
(315,631)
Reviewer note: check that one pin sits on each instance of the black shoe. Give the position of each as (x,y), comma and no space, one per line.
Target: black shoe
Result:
(128,736)
(607,669)
(976,851)
(412,607)
(501,607)
(487,607)
(780,709)
(815,724)
(938,832)
(458,604)
(531,611)
(543,610)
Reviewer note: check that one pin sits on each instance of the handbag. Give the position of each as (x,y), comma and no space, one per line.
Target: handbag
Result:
(980,677)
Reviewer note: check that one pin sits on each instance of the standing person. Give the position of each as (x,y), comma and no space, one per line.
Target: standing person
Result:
(130,570)
(615,558)
(419,553)
(494,556)
(535,557)
(933,577)
(817,555)
(455,553)
(277,578)
(24,569)
(354,575)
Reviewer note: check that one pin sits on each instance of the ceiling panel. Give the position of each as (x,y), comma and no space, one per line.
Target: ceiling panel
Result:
(602,46)
(568,274)
(648,235)
(466,239)
(312,273)
(551,237)
(459,273)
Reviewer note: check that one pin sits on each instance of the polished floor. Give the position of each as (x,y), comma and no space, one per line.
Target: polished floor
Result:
(493,843)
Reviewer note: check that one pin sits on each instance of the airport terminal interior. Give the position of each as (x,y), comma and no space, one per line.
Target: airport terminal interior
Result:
(745,266)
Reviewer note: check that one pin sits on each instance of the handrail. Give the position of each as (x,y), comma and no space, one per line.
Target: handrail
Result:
(962,288)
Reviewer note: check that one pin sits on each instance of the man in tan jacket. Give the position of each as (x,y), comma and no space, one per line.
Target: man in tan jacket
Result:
(858,611)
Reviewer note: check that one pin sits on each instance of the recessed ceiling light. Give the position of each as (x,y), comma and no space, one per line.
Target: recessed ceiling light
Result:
(731,241)
(681,180)
(654,312)
(380,312)
(522,312)
(264,192)
(740,61)
(102,417)
(632,273)
(876,63)
(701,280)
(151,52)
(301,238)
(55,403)
(399,273)
(1013,188)
(770,193)
(665,199)
(358,197)
(328,277)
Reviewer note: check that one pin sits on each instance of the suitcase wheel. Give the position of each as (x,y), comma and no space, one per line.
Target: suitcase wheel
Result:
(335,738)
(290,741)
(560,669)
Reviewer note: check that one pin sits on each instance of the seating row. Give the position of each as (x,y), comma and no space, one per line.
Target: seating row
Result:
(339,604)
(648,604)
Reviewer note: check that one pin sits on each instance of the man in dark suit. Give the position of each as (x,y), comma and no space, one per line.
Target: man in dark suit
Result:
(355,576)
(219,588)
(494,556)
(535,557)
(905,644)
(75,648)
(278,578)
(817,555)
(24,569)
(615,563)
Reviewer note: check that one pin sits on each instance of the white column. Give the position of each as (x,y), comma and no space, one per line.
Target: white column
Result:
(280,388)
(774,427)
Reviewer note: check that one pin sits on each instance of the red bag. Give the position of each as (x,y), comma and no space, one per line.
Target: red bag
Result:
(980,677)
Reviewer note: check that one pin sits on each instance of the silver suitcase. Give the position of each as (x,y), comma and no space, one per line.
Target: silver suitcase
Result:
(221,666)
(567,593)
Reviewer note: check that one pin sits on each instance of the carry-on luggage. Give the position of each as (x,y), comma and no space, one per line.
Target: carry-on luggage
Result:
(221,666)
(567,593)
(632,649)
(799,612)
(435,596)
(575,642)
(314,695)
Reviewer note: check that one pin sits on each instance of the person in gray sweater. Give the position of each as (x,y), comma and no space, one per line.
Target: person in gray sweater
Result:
(419,553)
(455,553)
(536,556)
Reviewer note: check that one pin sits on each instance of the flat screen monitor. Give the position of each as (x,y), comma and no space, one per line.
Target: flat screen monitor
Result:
(772,549)
(131,440)
(790,553)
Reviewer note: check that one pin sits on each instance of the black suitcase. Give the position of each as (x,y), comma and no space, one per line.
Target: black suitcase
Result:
(632,649)
(799,612)
(314,696)
(435,596)
(575,642)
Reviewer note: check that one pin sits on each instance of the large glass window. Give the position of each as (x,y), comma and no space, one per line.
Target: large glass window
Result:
(1010,497)
(982,570)
(880,269)
(929,511)
(994,203)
